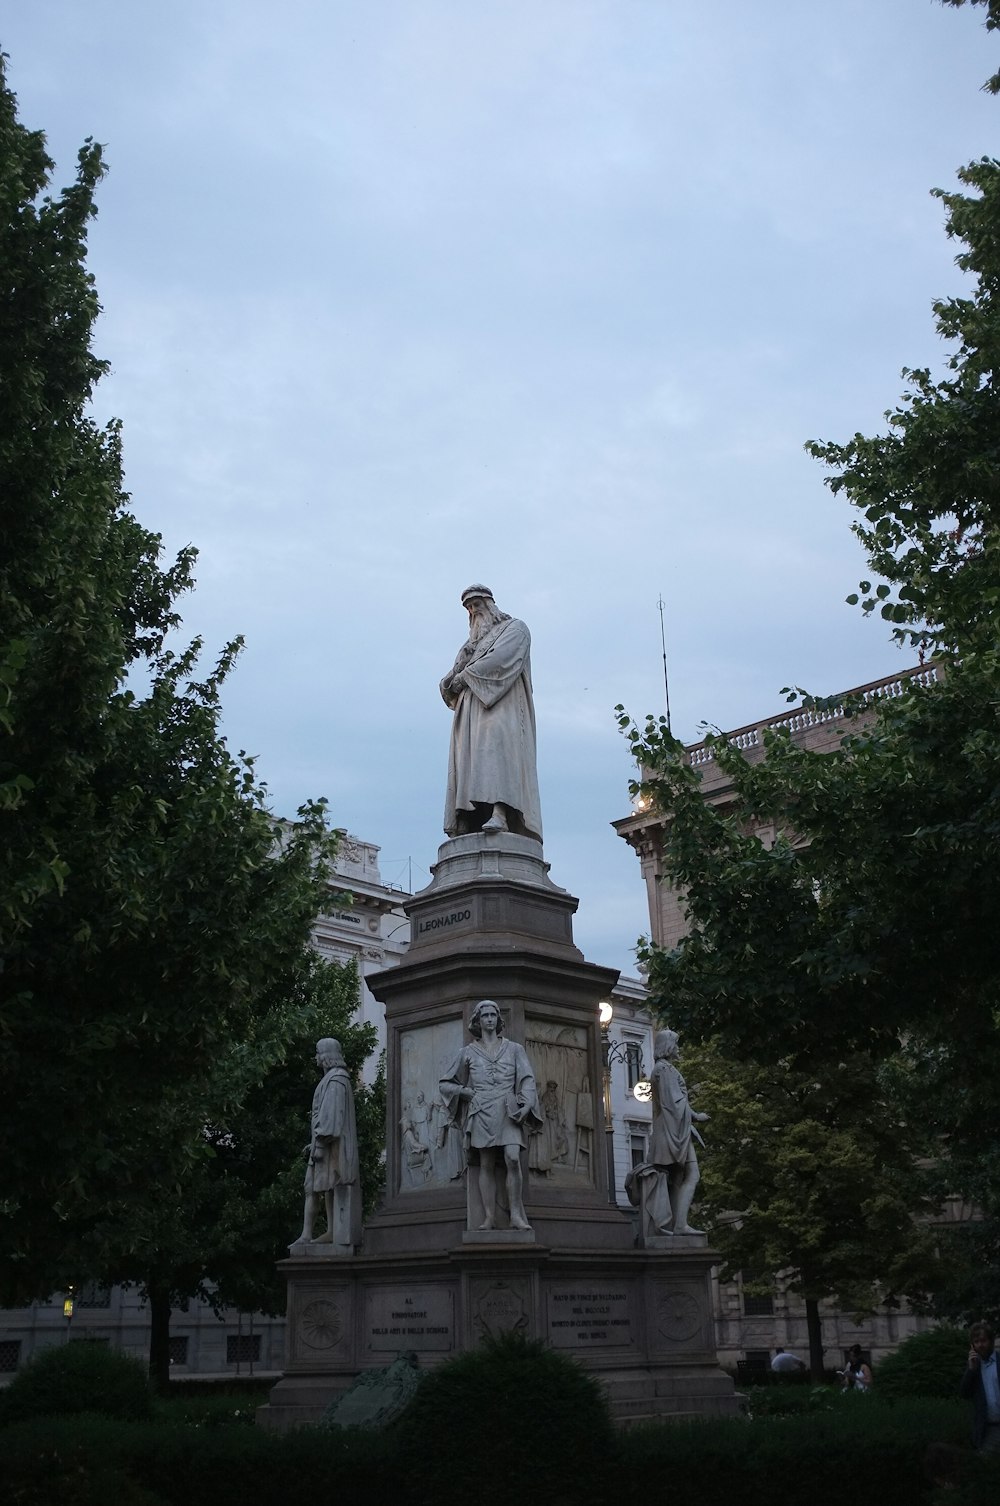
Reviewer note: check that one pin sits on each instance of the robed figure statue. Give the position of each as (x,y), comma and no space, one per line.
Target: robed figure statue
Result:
(492,775)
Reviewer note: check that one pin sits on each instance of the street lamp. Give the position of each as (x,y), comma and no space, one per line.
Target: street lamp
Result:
(611,1052)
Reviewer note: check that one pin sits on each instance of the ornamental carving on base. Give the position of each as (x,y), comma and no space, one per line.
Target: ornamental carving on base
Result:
(500,1309)
(320,1324)
(678,1317)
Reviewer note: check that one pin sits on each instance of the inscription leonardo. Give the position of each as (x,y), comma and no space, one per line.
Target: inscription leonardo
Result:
(439,922)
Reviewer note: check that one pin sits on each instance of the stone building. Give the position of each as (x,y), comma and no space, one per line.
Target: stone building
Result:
(755,1314)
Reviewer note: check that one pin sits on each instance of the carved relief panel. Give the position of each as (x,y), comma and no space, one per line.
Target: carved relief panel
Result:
(564,1151)
(430,1145)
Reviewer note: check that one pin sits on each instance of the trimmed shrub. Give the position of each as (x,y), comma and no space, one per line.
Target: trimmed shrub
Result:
(928,1364)
(819,1457)
(511,1413)
(71,1463)
(156,1464)
(784,1401)
(78,1377)
(222,1410)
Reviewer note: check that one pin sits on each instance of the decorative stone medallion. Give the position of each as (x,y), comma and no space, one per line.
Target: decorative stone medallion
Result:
(320,1324)
(678,1317)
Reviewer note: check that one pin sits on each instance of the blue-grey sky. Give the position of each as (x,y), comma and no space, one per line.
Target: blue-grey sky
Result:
(405,294)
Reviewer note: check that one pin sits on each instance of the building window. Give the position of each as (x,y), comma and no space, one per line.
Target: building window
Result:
(92,1294)
(242,1348)
(637,1145)
(758,1303)
(10,1354)
(633,1063)
(179,1350)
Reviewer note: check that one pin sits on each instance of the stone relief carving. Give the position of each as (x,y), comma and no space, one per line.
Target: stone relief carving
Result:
(430,1143)
(320,1324)
(562,1149)
(679,1317)
(500,1308)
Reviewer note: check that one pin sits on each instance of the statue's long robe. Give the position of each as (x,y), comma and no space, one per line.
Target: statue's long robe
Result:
(333,1161)
(492,758)
(670,1138)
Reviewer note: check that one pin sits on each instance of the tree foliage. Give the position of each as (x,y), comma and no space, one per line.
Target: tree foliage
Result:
(992,23)
(813,1175)
(869,926)
(157,973)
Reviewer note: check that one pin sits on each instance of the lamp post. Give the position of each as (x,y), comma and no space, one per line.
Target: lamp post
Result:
(611,1052)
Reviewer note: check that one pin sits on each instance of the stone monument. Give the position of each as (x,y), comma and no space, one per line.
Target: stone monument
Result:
(497,1213)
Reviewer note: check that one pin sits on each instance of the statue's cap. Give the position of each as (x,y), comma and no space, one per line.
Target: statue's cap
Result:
(471,592)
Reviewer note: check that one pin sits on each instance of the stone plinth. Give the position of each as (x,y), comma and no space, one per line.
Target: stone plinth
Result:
(641,1322)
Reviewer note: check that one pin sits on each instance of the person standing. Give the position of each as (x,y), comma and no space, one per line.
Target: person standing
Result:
(981,1386)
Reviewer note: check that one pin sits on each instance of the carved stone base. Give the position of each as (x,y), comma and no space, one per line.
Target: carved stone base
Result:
(639,1320)
(672,1242)
(498,1237)
(317,1249)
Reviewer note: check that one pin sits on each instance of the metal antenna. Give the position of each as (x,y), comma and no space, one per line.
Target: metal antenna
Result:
(663,641)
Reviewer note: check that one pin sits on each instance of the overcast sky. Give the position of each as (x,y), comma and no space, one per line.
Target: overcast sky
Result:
(405,294)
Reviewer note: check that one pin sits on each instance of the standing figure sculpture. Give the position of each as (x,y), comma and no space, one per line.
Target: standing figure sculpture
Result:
(332,1172)
(492,775)
(665,1184)
(490,1092)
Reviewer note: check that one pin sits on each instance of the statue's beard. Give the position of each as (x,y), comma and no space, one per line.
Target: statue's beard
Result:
(481,622)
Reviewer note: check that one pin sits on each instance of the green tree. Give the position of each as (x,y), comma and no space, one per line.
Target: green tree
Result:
(156,922)
(215,1231)
(813,1176)
(870,925)
(992,23)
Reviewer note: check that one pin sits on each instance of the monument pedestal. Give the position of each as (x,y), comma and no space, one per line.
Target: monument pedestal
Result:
(492,925)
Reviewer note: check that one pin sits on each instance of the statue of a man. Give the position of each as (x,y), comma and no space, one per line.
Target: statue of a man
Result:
(332,1172)
(490,1092)
(492,775)
(667,1181)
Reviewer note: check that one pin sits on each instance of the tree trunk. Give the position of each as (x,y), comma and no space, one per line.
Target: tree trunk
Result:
(814,1328)
(159,1337)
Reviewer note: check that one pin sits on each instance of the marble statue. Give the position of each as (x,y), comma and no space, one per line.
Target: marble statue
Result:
(492,776)
(490,1092)
(332,1172)
(666,1182)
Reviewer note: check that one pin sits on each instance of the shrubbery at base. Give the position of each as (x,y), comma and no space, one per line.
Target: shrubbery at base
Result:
(812,1458)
